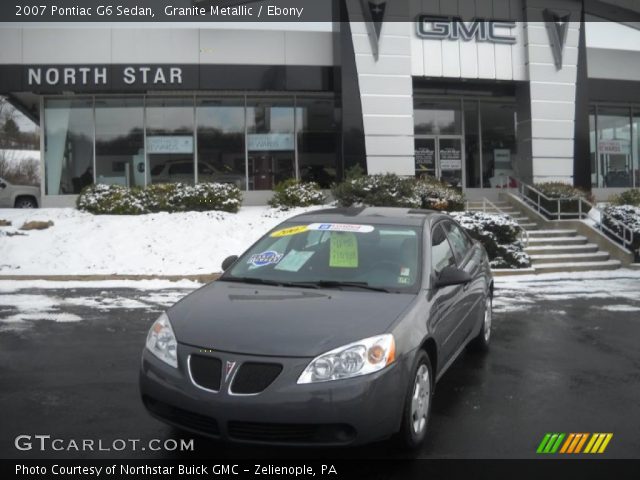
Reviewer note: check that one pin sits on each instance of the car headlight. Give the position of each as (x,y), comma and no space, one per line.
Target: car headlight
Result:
(162,342)
(358,358)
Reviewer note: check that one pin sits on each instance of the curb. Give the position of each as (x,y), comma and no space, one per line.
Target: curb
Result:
(202,278)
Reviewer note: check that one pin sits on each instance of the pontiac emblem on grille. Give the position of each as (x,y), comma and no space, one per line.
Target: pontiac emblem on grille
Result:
(228,370)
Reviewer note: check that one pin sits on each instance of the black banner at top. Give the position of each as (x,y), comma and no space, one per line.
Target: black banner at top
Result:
(158,11)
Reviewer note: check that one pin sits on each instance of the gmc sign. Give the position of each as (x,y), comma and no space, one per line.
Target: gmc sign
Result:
(436,27)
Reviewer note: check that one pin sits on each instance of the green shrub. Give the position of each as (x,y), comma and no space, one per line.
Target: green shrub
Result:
(500,236)
(171,197)
(111,200)
(628,197)
(560,191)
(628,215)
(292,193)
(390,190)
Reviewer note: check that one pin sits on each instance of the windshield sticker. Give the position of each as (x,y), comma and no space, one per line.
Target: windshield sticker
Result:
(404,280)
(405,272)
(341,227)
(343,250)
(285,232)
(293,261)
(265,258)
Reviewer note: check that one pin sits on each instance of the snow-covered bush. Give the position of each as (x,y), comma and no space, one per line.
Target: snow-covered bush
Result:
(390,190)
(111,200)
(559,191)
(437,195)
(171,197)
(629,215)
(292,193)
(499,235)
(628,197)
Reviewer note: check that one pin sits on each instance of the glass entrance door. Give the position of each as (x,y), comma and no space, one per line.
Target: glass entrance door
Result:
(440,156)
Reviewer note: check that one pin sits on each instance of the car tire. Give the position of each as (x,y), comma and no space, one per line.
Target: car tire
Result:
(482,341)
(25,202)
(417,405)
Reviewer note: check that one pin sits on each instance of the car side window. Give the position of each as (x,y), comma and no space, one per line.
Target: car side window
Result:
(459,240)
(185,168)
(441,254)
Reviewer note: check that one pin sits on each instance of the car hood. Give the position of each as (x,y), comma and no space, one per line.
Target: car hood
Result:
(281,321)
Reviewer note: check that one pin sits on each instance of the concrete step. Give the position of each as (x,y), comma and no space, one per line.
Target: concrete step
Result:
(548,241)
(520,219)
(507,211)
(528,226)
(561,249)
(577,266)
(569,258)
(555,233)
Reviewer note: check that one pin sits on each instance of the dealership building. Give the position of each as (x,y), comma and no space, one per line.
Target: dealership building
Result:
(475,93)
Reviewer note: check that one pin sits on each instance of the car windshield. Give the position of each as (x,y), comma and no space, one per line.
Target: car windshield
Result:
(334,255)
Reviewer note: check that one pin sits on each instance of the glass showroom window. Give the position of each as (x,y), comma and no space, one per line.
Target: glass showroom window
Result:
(120,141)
(68,145)
(437,117)
(472,144)
(613,147)
(317,142)
(270,141)
(170,140)
(636,148)
(221,146)
(499,147)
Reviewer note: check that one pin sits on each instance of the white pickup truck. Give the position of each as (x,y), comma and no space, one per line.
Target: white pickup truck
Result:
(18,196)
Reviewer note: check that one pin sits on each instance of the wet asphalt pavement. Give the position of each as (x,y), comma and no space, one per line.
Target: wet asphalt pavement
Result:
(565,357)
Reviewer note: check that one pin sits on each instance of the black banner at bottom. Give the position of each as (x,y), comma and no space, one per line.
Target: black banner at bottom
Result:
(543,469)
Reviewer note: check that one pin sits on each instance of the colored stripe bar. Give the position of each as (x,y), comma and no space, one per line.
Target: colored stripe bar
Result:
(555,447)
(567,442)
(591,442)
(605,443)
(550,443)
(576,439)
(599,440)
(543,443)
(581,443)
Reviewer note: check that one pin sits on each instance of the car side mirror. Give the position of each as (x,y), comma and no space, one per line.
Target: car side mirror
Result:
(3,185)
(227,262)
(452,276)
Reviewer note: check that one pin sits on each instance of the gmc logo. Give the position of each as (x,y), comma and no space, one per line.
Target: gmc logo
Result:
(453,28)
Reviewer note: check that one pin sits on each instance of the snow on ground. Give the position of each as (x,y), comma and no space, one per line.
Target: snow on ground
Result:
(162,243)
(616,290)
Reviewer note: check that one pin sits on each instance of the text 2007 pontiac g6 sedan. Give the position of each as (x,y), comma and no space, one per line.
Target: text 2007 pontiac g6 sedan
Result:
(332,329)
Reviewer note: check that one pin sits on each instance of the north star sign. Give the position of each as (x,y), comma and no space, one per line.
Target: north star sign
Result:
(437,27)
(96,76)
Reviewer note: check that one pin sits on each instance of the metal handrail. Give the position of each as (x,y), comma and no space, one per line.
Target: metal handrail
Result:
(584,207)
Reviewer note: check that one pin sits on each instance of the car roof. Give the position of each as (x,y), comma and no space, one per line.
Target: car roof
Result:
(374,215)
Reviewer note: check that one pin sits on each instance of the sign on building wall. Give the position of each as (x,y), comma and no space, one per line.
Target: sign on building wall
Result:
(615,147)
(170,144)
(437,27)
(270,141)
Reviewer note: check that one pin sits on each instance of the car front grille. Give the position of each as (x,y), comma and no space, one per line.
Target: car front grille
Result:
(205,371)
(254,377)
(291,433)
(184,418)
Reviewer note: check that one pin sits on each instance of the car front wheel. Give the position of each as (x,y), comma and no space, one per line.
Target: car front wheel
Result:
(25,202)
(417,408)
(481,342)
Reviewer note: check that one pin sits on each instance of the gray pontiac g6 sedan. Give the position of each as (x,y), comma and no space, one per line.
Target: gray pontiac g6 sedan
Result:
(332,329)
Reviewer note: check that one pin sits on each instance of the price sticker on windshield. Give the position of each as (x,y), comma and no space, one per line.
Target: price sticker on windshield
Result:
(285,232)
(343,250)
(341,227)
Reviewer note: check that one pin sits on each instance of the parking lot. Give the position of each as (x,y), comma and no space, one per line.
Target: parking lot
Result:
(564,358)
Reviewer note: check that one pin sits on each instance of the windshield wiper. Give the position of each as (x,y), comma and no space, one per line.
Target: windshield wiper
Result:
(262,281)
(336,283)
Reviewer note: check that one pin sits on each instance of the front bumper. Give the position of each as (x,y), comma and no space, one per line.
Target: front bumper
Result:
(342,412)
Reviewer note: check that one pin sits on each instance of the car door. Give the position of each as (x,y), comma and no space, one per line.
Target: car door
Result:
(5,194)
(468,258)
(446,312)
